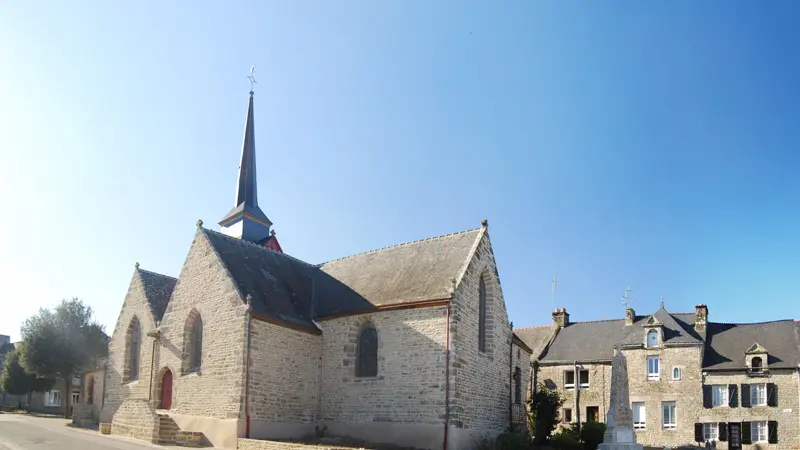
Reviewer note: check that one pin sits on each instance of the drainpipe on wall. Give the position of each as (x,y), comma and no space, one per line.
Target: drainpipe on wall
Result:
(511,376)
(447,367)
(577,397)
(249,300)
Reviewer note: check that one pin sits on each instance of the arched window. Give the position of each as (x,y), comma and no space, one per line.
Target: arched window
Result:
(517,386)
(193,342)
(134,339)
(367,357)
(90,390)
(756,364)
(482,315)
(652,338)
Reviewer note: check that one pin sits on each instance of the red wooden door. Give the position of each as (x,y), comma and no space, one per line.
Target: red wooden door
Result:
(166,390)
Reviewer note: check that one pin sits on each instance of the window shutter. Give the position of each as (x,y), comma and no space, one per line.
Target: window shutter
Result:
(706,397)
(723,431)
(733,399)
(773,432)
(746,429)
(746,398)
(698,432)
(772,394)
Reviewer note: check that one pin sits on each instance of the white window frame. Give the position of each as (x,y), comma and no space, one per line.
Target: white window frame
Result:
(676,370)
(755,390)
(710,432)
(583,385)
(719,395)
(571,417)
(653,376)
(52,398)
(656,342)
(673,424)
(755,434)
(641,424)
(76,398)
(569,385)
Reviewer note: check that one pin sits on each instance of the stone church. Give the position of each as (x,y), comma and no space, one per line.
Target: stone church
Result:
(409,344)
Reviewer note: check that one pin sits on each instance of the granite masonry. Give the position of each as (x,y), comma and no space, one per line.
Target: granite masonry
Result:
(691,380)
(408,344)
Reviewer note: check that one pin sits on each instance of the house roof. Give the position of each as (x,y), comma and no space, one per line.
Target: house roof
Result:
(415,271)
(6,347)
(727,344)
(158,290)
(676,329)
(535,337)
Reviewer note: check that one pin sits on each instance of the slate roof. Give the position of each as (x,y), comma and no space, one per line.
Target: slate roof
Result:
(677,328)
(158,290)
(535,337)
(729,342)
(294,291)
(7,347)
(725,344)
(415,271)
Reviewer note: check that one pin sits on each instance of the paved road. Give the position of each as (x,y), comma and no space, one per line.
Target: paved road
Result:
(20,432)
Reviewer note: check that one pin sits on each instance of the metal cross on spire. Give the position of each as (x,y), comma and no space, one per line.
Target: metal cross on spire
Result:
(252,78)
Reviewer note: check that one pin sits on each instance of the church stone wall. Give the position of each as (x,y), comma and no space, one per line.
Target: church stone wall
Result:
(216,390)
(479,402)
(283,388)
(404,403)
(118,389)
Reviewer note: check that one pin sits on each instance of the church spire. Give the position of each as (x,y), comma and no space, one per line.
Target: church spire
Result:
(246,220)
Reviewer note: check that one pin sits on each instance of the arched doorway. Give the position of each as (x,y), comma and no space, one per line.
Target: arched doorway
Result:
(166,390)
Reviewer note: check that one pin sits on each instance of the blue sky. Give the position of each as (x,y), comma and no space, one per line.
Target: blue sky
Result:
(651,144)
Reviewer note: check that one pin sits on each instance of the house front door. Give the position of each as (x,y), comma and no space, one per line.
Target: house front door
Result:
(166,390)
(734,436)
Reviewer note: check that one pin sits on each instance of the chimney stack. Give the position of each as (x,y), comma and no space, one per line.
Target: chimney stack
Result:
(560,318)
(630,316)
(700,318)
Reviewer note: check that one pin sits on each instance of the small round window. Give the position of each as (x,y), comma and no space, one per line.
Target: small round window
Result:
(676,373)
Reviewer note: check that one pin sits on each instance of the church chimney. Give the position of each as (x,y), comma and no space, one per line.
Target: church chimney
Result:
(246,220)
(700,318)
(560,318)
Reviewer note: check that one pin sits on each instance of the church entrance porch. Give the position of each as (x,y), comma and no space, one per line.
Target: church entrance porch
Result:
(166,390)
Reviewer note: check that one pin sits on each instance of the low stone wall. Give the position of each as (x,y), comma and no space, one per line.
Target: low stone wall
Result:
(136,419)
(258,444)
(84,415)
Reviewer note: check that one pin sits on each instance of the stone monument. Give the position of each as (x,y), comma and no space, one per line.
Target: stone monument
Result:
(619,426)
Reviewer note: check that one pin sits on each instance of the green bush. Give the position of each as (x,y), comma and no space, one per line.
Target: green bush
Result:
(512,441)
(565,440)
(544,415)
(592,434)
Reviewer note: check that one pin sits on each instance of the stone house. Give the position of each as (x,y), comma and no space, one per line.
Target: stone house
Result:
(408,344)
(690,380)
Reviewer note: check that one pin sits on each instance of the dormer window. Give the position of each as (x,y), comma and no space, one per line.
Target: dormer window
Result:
(652,338)
(756,364)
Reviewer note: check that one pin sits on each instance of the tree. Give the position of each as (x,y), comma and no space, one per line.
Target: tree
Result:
(61,343)
(544,417)
(16,381)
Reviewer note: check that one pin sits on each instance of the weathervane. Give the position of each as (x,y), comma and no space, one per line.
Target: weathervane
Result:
(252,78)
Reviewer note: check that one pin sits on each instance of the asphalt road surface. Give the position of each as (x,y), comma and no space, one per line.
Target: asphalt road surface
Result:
(21,432)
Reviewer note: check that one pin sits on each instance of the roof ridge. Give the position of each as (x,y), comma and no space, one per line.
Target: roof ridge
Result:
(398,245)
(753,323)
(253,244)
(155,273)
(532,327)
